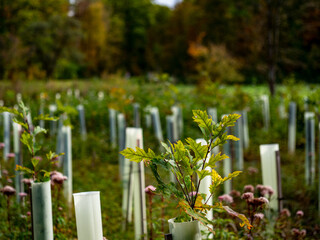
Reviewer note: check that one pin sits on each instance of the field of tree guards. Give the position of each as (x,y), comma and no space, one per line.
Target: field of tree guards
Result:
(159,120)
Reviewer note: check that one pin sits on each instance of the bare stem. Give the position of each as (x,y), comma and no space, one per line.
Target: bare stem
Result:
(204,162)
(189,201)
(208,198)
(185,193)
(150,214)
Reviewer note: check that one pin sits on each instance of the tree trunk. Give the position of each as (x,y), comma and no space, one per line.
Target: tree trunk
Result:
(273,22)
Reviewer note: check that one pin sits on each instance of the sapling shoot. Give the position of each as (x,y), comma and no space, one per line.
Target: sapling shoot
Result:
(187,162)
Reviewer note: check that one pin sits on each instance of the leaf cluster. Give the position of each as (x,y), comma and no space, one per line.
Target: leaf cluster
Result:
(29,139)
(190,163)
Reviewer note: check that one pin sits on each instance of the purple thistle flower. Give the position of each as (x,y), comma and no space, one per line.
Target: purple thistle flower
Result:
(2,145)
(8,190)
(303,233)
(264,190)
(150,189)
(261,201)
(259,187)
(11,155)
(235,193)
(252,170)
(5,172)
(23,194)
(300,213)
(248,188)
(225,198)
(259,216)
(27,181)
(295,231)
(285,212)
(269,190)
(247,196)
(264,200)
(57,177)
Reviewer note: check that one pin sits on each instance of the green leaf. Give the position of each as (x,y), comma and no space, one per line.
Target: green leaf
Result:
(38,130)
(230,120)
(50,155)
(203,173)
(43,176)
(45,173)
(203,120)
(27,140)
(34,162)
(188,182)
(198,149)
(10,110)
(180,154)
(138,155)
(24,125)
(69,110)
(201,217)
(24,169)
(215,158)
(166,147)
(25,110)
(154,169)
(36,147)
(46,117)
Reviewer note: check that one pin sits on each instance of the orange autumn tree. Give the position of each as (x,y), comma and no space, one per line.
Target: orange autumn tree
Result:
(214,63)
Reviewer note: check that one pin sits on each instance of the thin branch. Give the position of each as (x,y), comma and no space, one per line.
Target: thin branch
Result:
(204,161)
(186,194)
(208,198)
(188,200)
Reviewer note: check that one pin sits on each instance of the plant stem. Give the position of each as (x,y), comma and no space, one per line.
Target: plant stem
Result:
(204,162)
(186,194)
(208,198)
(162,215)
(8,211)
(189,201)
(32,147)
(150,214)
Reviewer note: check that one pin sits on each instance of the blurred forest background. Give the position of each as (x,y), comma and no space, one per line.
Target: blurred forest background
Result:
(251,40)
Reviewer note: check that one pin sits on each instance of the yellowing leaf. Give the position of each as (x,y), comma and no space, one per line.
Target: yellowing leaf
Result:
(231,175)
(243,218)
(229,121)
(233,138)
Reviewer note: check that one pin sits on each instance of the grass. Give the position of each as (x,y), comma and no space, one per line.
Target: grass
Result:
(95,163)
